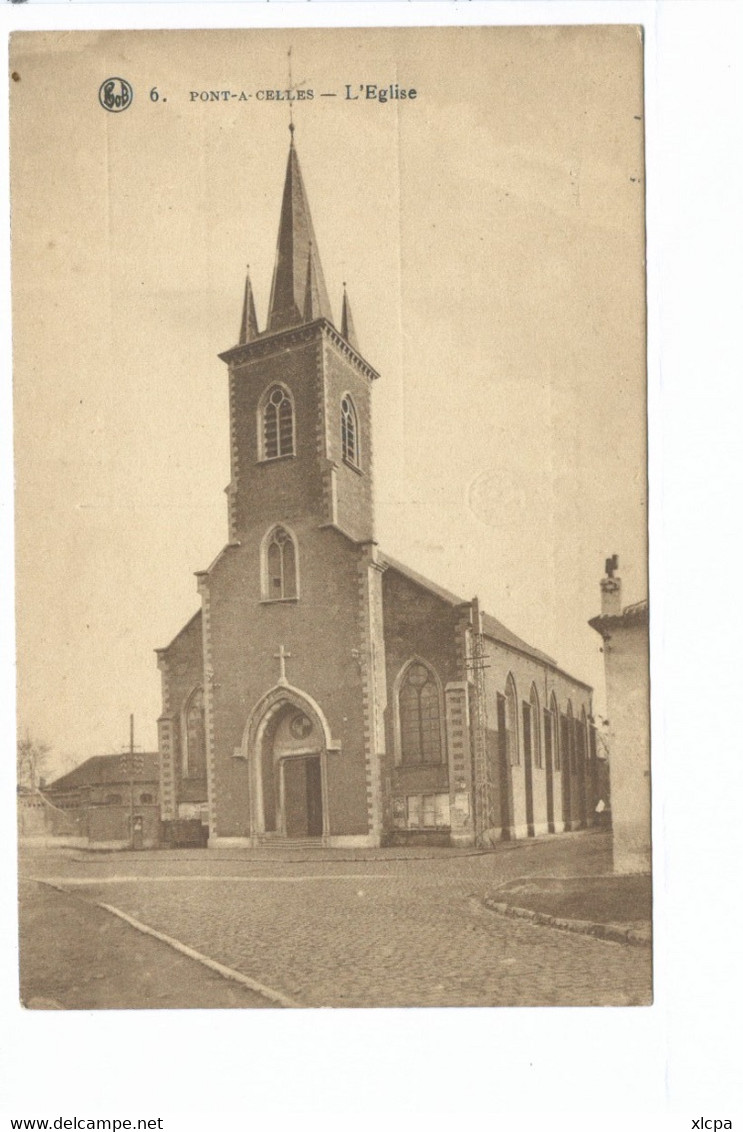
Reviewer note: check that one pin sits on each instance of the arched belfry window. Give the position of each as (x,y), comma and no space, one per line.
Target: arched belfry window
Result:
(419,706)
(194,754)
(279,566)
(349,432)
(276,423)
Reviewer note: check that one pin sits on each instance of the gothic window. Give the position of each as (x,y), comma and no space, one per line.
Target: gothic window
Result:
(569,753)
(581,740)
(512,734)
(420,716)
(536,731)
(194,761)
(277,423)
(349,432)
(279,566)
(554,730)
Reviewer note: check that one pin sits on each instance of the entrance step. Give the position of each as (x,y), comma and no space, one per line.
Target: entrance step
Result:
(277,841)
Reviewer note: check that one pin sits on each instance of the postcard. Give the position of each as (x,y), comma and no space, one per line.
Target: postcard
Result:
(331,517)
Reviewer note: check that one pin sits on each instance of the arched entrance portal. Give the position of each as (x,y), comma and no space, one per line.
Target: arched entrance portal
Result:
(288,753)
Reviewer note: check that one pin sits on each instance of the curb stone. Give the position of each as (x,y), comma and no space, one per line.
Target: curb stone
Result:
(614,933)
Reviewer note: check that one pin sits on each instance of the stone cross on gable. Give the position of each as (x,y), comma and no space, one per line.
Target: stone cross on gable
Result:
(282,656)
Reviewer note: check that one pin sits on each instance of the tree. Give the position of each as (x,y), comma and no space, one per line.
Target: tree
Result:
(31,759)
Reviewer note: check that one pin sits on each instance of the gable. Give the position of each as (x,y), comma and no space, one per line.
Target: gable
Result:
(492,628)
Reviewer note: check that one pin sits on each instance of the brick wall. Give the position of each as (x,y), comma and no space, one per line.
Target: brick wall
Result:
(321,632)
(526,672)
(417,624)
(182,668)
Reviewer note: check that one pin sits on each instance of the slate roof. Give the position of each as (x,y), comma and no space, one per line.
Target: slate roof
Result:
(492,628)
(298,293)
(635,614)
(103,770)
(196,617)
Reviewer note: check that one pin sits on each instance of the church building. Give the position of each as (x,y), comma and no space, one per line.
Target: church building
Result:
(325,692)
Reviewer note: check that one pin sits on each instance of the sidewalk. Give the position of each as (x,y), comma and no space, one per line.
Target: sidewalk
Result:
(76,956)
(286,853)
(618,908)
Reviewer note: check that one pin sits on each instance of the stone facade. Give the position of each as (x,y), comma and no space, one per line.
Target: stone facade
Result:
(626,661)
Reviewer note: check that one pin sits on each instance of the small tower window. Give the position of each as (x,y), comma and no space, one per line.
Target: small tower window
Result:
(420,716)
(349,432)
(277,420)
(280,566)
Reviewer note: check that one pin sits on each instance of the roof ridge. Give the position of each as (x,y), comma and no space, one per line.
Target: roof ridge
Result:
(498,631)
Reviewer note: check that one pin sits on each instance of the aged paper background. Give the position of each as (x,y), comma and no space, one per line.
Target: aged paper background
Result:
(491,233)
(692,112)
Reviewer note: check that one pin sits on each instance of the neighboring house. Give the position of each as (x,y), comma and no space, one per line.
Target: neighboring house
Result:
(324,690)
(108,802)
(626,660)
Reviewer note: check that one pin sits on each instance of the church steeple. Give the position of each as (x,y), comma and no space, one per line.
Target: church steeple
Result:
(249,324)
(298,282)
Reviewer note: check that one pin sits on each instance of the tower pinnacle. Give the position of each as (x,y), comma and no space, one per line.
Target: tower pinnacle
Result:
(249,324)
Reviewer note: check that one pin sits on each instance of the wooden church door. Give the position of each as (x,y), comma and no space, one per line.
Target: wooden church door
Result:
(302,796)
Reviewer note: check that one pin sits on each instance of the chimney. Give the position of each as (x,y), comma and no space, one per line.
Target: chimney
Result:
(611,589)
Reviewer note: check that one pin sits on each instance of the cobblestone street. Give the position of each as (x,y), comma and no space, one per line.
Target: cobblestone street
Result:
(370,929)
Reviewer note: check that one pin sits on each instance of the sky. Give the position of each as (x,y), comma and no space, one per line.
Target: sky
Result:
(491,235)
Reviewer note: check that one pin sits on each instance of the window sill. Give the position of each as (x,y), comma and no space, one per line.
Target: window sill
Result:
(278,600)
(354,467)
(417,766)
(427,829)
(276,459)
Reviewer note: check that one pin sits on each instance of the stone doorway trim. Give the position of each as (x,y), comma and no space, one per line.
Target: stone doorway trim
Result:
(274,701)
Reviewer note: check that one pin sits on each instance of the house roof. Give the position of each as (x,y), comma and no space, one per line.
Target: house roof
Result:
(635,614)
(189,623)
(102,770)
(492,628)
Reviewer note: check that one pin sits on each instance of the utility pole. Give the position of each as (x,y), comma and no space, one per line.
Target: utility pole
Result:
(131,780)
(482,785)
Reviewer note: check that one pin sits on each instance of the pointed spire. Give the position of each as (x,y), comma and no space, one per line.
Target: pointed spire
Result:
(249,324)
(347,327)
(298,282)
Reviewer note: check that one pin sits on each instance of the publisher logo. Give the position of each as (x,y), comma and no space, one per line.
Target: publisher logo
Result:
(115,95)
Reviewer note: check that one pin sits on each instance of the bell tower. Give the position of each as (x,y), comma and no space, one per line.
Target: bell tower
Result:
(300,580)
(300,396)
